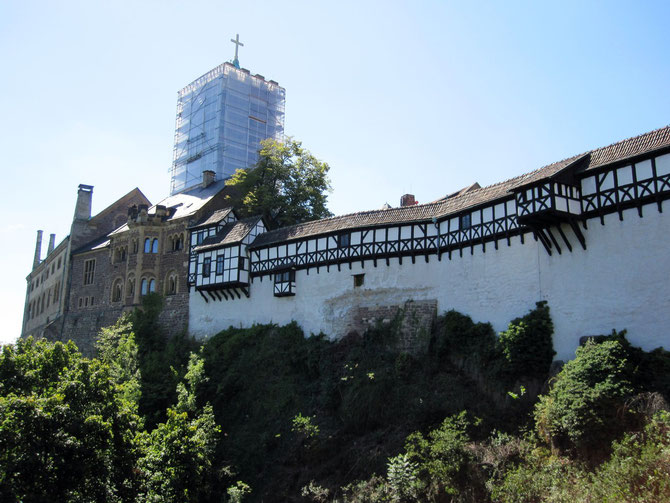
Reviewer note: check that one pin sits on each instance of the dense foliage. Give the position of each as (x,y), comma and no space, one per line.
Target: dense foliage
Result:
(287,186)
(65,429)
(586,406)
(266,414)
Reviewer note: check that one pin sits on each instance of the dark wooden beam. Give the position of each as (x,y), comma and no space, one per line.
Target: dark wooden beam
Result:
(553,240)
(565,239)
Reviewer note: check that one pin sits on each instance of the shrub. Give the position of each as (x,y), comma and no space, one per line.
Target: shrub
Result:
(441,456)
(584,410)
(639,469)
(527,345)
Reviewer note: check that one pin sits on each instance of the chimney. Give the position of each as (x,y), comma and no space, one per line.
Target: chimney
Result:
(38,249)
(132,213)
(52,243)
(208,177)
(143,213)
(84,200)
(408,200)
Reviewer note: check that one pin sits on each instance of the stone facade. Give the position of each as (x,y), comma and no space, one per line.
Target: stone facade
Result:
(111,260)
(49,299)
(413,322)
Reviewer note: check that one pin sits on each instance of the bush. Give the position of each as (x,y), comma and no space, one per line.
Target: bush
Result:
(527,345)
(585,408)
(441,455)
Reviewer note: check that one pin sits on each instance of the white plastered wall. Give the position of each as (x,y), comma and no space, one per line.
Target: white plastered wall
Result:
(620,281)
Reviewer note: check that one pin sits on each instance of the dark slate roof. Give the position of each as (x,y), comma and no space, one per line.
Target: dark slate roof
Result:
(212,219)
(230,234)
(473,197)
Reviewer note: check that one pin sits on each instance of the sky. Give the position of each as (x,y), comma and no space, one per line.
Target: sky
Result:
(422,97)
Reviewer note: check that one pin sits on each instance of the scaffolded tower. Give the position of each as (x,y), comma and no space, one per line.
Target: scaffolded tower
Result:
(221,119)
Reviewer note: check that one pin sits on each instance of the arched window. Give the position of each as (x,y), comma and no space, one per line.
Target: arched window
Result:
(130,286)
(135,246)
(177,242)
(147,245)
(117,290)
(171,284)
(152,286)
(154,246)
(143,287)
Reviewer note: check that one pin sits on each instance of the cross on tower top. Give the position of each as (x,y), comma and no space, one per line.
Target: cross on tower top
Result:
(237,43)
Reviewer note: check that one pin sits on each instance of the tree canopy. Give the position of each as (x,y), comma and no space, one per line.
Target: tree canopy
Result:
(287,186)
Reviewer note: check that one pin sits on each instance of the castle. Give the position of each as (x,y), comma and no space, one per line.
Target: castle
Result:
(587,234)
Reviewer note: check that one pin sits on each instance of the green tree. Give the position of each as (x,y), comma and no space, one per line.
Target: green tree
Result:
(66,431)
(178,462)
(162,360)
(116,347)
(287,186)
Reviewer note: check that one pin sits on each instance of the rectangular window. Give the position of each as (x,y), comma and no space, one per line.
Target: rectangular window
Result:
(89,271)
(465,222)
(343,240)
(359,279)
(206,267)
(219,264)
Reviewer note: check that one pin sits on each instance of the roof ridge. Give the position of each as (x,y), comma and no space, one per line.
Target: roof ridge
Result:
(630,139)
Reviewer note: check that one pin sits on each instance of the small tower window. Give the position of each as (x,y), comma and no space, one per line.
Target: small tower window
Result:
(154,246)
(117,291)
(171,285)
(147,245)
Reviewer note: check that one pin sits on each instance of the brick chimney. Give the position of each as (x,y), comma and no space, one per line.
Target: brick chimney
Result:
(52,243)
(82,210)
(408,200)
(208,178)
(38,249)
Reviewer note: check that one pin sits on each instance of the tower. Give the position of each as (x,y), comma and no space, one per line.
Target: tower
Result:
(221,118)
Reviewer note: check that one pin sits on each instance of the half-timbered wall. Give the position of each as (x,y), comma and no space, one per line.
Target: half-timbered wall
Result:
(482,262)
(620,281)
(219,266)
(225,265)
(631,185)
(197,237)
(476,227)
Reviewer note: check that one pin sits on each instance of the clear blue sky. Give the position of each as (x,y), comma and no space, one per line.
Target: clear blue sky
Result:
(397,96)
